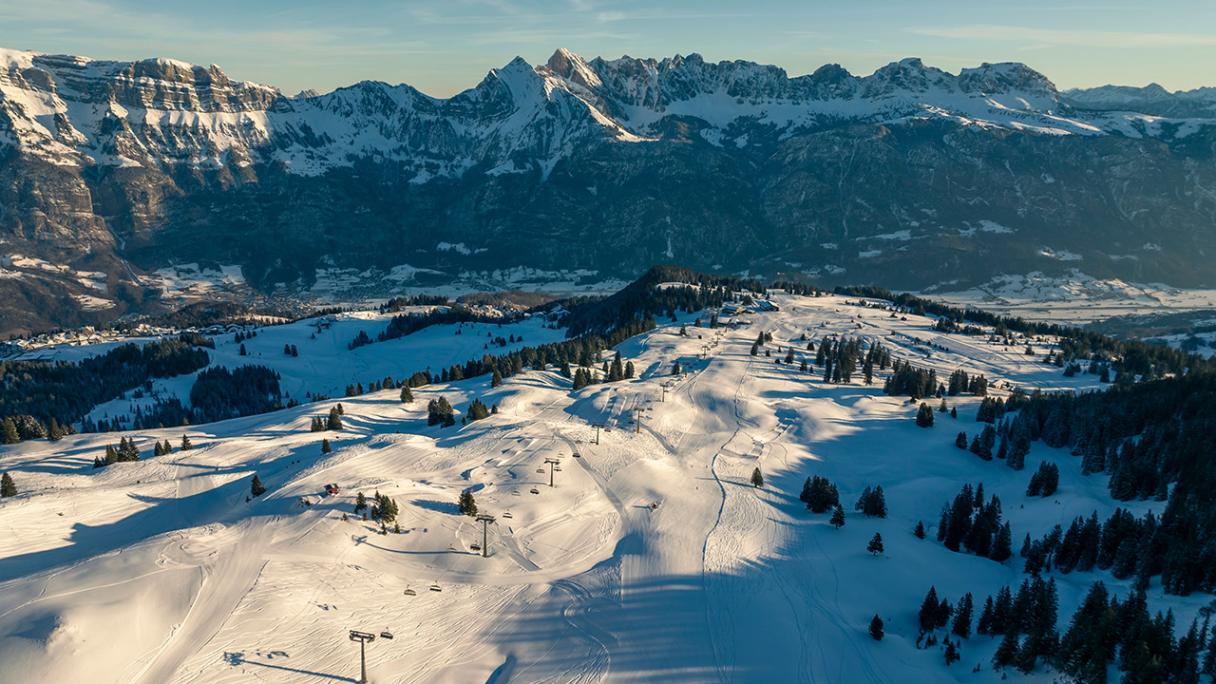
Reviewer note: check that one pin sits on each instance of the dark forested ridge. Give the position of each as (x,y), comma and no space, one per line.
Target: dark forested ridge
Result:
(65,392)
(643,298)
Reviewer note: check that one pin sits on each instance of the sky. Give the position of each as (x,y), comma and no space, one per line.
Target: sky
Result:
(444,46)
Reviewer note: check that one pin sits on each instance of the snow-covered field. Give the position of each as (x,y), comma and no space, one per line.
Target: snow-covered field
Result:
(652,558)
(1074,299)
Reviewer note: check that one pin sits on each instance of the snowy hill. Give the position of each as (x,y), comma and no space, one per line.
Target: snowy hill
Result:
(652,558)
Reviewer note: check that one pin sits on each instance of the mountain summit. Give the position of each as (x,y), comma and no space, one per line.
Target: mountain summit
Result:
(593,167)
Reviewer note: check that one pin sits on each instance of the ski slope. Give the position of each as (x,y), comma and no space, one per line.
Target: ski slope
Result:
(652,557)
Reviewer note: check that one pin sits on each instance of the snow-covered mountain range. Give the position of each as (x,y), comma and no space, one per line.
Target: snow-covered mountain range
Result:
(73,111)
(121,168)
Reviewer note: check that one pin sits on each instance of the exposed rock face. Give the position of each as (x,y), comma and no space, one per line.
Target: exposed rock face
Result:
(911,176)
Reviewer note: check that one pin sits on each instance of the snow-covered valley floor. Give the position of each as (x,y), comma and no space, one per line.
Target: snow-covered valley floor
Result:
(652,558)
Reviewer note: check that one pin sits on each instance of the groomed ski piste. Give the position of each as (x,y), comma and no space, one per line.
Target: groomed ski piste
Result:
(651,558)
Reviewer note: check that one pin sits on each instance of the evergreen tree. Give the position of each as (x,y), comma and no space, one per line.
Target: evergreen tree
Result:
(495,378)
(872,502)
(961,440)
(9,435)
(876,628)
(407,397)
(334,420)
(929,611)
(962,617)
(1089,643)
(951,654)
(55,432)
(821,494)
(325,448)
(919,532)
(466,505)
(757,478)
(1017,453)
(1002,546)
(581,379)
(837,520)
(875,545)
(1007,651)
(440,412)
(1044,481)
(924,416)
(255,487)
(7,486)
(477,410)
(384,509)
(984,626)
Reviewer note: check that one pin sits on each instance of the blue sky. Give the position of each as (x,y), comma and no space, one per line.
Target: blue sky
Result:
(444,46)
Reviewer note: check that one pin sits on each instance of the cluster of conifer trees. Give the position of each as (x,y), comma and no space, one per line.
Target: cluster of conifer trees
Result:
(1103,630)
(14,429)
(124,453)
(962,383)
(219,393)
(906,379)
(919,383)
(819,494)
(872,502)
(1126,546)
(407,323)
(398,303)
(1045,480)
(440,412)
(40,395)
(1155,439)
(332,421)
(609,372)
(839,358)
(974,525)
(644,299)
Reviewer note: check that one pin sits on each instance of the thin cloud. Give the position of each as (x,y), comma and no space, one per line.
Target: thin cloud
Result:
(1038,37)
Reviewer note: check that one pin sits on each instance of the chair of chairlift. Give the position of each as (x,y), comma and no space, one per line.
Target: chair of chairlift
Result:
(410,592)
(507,514)
(475,547)
(540,470)
(535,490)
(386,635)
(436,587)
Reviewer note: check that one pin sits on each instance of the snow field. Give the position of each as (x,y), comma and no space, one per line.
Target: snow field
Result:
(653,558)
